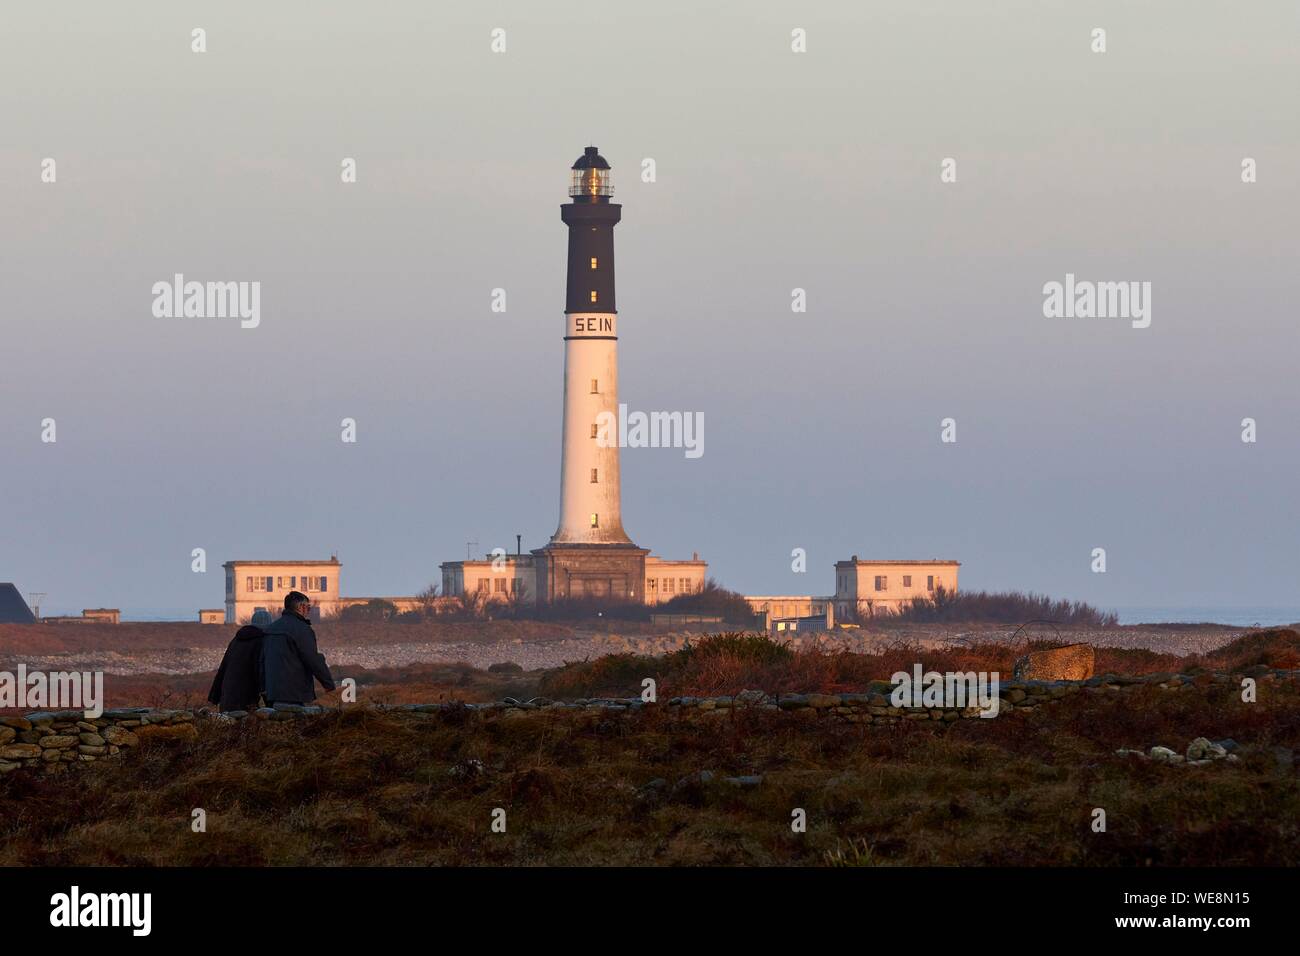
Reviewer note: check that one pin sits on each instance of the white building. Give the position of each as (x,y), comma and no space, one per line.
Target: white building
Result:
(509,577)
(665,580)
(864,589)
(253,586)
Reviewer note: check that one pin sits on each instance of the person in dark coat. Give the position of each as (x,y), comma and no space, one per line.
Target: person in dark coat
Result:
(238,683)
(289,656)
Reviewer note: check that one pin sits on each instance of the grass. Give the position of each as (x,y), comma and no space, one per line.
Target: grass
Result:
(730,663)
(364,788)
(360,787)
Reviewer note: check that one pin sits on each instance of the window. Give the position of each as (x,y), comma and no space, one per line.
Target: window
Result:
(652,585)
(929,582)
(249,587)
(593,262)
(500,585)
(907,580)
(483,585)
(595,521)
(595,431)
(882,582)
(230,583)
(684,585)
(668,585)
(593,476)
(595,387)
(324,584)
(593,295)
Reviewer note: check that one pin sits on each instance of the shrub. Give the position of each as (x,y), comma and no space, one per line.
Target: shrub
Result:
(712,599)
(613,674)
(745,648)
(1001,607)
(376,609)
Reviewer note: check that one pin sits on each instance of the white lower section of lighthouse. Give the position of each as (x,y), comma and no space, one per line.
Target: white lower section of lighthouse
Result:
(590,507)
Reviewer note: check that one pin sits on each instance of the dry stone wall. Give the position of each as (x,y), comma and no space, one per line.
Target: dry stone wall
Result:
(55,741)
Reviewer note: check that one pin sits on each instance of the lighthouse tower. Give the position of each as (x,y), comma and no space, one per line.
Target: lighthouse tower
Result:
(590,555)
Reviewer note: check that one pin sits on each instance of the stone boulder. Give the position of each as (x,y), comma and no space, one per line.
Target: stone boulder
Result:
(168,732)
(19,752)
(1203,749)
(1072,662)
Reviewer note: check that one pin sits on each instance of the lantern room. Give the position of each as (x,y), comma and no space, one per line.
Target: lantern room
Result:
(591,180)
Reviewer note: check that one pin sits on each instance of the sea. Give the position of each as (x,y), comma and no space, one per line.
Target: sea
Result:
(1234,616)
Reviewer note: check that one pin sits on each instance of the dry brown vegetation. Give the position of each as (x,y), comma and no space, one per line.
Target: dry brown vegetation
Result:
(406,789)
(412,684)
(727,664)
(395,788)
(18,640)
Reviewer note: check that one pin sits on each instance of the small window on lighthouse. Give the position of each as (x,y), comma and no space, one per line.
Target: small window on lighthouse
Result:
(593,295)
(593,476)
(593,262)
(595,523)
(595,387)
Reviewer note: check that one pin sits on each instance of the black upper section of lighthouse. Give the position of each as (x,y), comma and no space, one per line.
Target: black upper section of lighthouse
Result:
(591,218)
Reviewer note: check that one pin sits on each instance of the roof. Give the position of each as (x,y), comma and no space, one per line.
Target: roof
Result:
(310,564)
(590,159)
(13,609)
(856,560)
(514,560)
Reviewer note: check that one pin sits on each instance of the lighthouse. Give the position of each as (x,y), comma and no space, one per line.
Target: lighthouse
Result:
(590,558)
(590,555)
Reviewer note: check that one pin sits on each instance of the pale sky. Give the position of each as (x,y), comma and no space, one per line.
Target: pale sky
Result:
(775,171)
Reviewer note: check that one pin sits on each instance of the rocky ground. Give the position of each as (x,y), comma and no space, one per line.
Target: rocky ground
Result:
(551,652)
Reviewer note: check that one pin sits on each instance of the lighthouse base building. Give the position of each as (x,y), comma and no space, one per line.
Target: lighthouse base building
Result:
(533,579)
(585,572)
